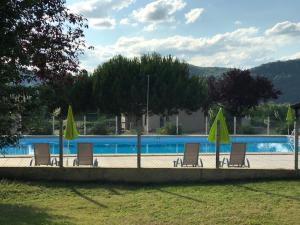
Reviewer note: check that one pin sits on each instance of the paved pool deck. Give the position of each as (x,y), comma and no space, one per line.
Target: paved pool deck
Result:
(257,161)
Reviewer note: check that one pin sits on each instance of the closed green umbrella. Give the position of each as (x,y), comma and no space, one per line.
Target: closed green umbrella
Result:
(71,132)
(224,135)
(290,117)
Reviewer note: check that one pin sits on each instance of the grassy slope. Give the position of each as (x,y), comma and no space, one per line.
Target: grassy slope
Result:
(274,202)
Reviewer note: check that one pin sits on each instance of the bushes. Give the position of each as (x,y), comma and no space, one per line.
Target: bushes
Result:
(169,129)
(102,126)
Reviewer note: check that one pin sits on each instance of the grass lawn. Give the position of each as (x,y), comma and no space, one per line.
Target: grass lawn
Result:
(268,202)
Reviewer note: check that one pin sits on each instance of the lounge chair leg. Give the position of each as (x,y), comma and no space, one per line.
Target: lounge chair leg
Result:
(31,161)
(96,163)
(248,163)
(181,162)
(222,162)
(201,163)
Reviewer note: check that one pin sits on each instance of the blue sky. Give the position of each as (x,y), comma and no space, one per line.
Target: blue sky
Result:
(232,33)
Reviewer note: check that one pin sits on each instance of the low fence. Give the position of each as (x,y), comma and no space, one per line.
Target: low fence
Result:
(94,124)
(143,175)
(157,152)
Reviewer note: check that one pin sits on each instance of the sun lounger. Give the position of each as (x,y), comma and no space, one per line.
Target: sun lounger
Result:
(42,155)
(85,155)
(237,156)
(190,157)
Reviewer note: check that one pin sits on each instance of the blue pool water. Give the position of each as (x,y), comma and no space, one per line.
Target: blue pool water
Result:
(151,144)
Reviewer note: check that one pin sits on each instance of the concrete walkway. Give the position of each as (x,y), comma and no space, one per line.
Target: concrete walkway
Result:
(257,161)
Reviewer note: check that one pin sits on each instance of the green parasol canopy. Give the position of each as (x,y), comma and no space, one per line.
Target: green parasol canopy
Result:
(70,132)
(224,135)
(290,116)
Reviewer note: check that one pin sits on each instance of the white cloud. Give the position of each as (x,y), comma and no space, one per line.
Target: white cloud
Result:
(237,23)
(193,15)
(150,27)
(98,11)
(99,8)
(285,28)
(293,56)
(102,23)
(158,11)
(244,47)
(124,21)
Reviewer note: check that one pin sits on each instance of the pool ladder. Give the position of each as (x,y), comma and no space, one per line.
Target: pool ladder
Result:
(291,138)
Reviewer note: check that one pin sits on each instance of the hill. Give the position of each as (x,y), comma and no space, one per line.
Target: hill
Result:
(207,71)
(284,74)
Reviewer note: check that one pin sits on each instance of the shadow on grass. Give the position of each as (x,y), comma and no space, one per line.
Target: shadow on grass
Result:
(81,195)
(26,215)
(181,196)
(115,188)
(272,194)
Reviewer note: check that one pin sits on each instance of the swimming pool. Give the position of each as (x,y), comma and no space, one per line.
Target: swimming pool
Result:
(151,144)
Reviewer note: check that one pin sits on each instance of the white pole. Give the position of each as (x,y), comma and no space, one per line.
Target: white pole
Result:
(268,126)
(206,125)
(116,125)
(84,124)
(177,124)
(148,87)
(53,125)
(234,125)
(296,144)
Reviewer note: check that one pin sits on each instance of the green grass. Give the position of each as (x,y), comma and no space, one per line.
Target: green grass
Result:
(269,202)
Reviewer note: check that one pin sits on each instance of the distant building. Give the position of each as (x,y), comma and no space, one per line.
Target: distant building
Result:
(189,123)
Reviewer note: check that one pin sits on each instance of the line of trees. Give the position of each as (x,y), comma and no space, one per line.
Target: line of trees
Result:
(119,86)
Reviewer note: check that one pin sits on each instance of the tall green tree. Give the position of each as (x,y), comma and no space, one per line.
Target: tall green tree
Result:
(40,42)
(120,86)
(171,87)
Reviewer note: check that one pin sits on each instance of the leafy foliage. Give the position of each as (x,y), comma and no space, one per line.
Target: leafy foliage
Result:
(169,129)
(40,41)
(238,92)
(120,86)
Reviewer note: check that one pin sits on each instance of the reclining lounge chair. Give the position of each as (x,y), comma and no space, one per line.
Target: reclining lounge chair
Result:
(190,157)
(85,155)
(237,156)
(42,155)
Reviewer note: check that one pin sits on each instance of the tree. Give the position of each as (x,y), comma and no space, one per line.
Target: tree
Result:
(210,97)
(238,91)
(119,87)
(171,86)
(40,42)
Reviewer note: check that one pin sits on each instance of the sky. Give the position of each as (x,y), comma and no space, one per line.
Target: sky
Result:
(225,33)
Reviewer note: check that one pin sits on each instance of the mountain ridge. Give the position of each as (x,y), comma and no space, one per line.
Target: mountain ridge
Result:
(285,76)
